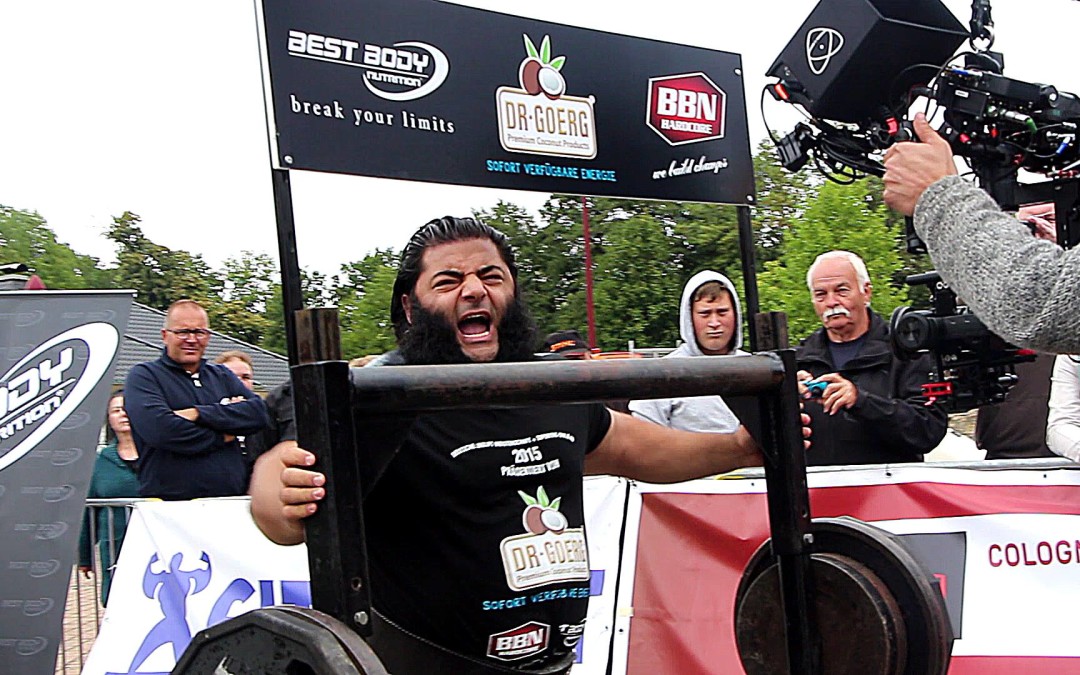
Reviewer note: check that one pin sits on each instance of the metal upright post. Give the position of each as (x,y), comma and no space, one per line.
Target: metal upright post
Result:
(789,518)
(749,271)
(336,540)
(291,294)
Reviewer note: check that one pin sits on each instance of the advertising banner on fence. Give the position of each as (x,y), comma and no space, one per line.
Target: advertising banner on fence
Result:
(57,352)
(431,91)
(186,566)
(1004,545)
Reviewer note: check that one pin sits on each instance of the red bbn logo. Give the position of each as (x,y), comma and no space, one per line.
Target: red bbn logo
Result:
(686,108)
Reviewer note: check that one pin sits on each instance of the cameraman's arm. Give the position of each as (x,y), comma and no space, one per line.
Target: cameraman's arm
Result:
(1063,421)
(1021,287)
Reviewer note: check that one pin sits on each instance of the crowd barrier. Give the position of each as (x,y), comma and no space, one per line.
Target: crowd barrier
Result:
(1003,538)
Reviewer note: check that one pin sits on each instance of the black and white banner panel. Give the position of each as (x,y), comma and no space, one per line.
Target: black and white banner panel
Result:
(430,91)
(57,354)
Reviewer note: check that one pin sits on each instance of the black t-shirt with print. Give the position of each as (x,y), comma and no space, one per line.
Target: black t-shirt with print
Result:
(476,530)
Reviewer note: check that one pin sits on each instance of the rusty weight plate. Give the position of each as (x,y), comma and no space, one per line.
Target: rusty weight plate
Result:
(861,625)
(869,567)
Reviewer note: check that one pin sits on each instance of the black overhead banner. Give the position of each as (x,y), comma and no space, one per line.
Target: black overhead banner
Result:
(57,352)
(429,91)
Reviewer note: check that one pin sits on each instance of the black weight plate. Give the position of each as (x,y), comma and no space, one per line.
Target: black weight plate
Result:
(926,621)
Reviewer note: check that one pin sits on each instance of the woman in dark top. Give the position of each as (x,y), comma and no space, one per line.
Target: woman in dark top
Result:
(114,476)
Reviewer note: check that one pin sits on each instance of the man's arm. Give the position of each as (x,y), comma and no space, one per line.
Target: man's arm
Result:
(284,492)
(1063,421)
(1022,288)
(154,420)
(649,452)
(245,413)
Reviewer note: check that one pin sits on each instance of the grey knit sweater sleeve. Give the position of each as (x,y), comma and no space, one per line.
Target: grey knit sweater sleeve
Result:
(1024,289)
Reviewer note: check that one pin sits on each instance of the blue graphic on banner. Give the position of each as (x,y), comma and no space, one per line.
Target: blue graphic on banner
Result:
(172,586)
(596,587)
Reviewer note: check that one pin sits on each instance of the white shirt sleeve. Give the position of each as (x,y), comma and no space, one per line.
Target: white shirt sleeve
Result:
(1063,421)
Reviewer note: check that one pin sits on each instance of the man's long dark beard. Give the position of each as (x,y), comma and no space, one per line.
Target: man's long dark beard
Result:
(432,340)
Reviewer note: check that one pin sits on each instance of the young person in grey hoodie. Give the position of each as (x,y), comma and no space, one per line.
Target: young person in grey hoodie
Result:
(710,324)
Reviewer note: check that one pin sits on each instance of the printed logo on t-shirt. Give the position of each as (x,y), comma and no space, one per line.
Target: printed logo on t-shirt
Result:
(517,643)
(525,454)
(550,552)
(571,633)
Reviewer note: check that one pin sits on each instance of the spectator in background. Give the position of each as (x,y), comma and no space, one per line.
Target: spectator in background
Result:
(1016,427)
(240,364)
(872,409)
(186,414)
(114,476)
(568,344)
(243,368)
(1063,423)
(710,324)
(361,361)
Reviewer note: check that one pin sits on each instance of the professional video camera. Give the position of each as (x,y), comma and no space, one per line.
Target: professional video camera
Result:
(856,68)
(974,366)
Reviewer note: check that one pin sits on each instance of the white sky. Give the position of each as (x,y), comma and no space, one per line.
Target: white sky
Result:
(157,108)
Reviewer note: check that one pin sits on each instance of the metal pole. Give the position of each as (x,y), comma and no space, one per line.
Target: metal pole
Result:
(291,295)
(481,385)
(749,271)
(789,519)
(336,539)
(589,312)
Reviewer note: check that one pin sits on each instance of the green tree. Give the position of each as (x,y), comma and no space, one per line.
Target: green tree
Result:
(249,281)
(26,238)
(839,217)
(315,292)
(362,292)
(635,298)
(782,197)
(158,274)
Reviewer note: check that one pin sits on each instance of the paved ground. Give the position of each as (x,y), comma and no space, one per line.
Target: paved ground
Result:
(82,617)
(964,423)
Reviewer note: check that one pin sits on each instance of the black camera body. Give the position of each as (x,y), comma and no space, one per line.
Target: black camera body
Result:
(973,366)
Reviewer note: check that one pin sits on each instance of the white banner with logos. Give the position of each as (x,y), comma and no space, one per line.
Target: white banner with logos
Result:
(1005,546)
(186,566)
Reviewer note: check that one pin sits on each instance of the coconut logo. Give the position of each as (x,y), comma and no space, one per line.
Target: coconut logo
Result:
(539,73)
(541,515)
(549,552)
(47,385)
(538,117)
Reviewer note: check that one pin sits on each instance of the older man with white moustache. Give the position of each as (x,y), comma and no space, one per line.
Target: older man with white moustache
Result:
(872,409)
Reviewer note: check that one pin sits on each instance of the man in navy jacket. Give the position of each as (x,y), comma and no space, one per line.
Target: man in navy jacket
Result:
(186,414)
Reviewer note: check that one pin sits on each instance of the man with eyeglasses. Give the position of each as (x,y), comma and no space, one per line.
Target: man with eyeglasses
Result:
(186,414)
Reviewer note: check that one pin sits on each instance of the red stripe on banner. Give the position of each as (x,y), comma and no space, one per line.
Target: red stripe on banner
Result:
(942,500)
(1011,665)
(692,549)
